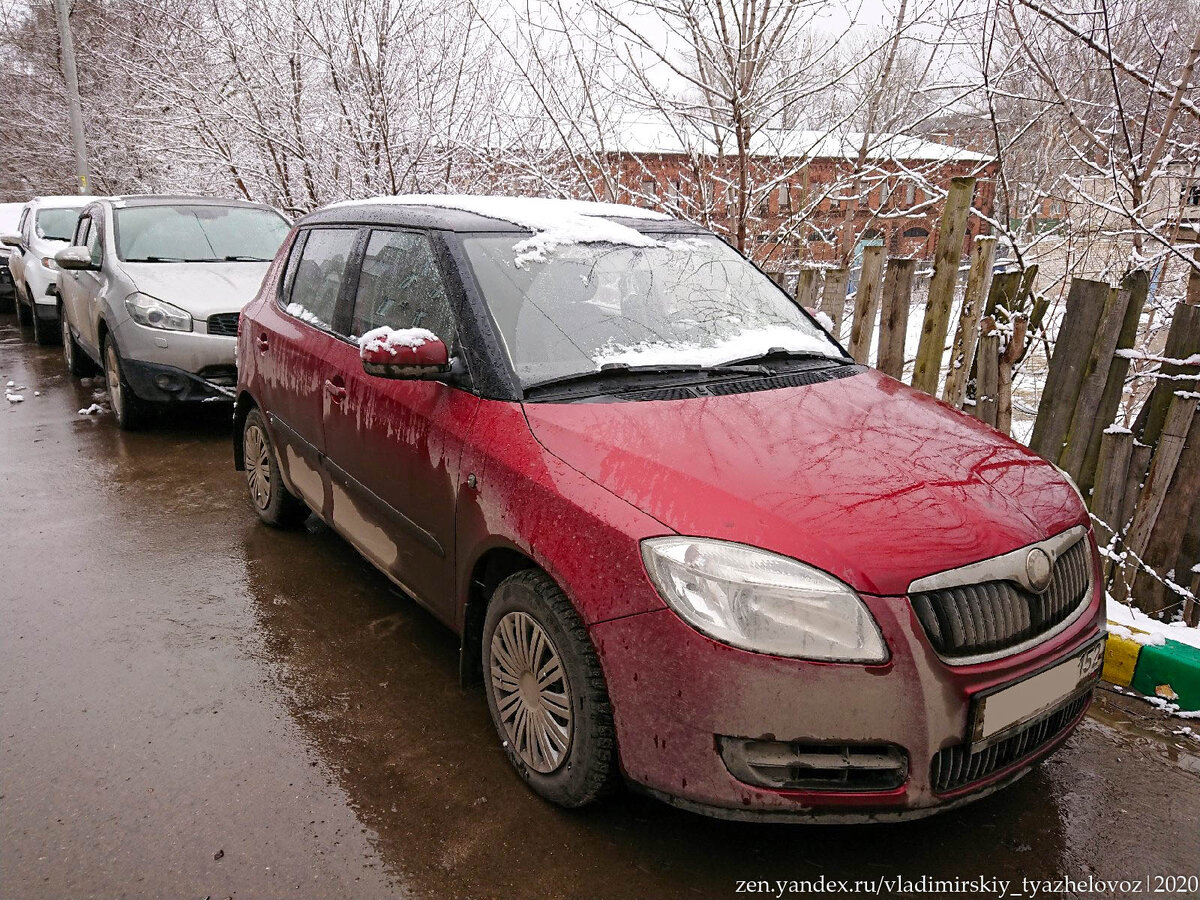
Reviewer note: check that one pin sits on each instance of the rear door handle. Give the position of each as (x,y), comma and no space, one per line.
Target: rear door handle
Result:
(335,389)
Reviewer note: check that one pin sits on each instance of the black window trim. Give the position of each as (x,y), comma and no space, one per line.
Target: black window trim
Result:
(284,295)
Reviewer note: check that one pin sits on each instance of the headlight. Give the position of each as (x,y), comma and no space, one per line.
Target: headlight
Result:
(49,263)
(155,313)
(762,601)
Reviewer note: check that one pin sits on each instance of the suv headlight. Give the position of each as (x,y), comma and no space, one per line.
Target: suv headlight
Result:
(762,601)
(155,313)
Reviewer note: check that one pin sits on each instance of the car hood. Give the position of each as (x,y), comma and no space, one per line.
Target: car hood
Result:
(200,288)
(862,477)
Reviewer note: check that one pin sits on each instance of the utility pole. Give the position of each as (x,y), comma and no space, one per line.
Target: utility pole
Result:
(72,79)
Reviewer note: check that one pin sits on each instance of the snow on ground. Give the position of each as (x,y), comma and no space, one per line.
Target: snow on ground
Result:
(391,339)
(748,343)
(1156,632)
(94,410)
(554,223)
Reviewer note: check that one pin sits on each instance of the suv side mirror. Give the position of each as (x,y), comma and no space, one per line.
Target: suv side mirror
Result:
(405,353)
(10,240)
(75,259)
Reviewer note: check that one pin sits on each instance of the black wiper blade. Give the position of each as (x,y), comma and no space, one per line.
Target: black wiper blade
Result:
(245,259)
(619,370)
(781,353)
(163,259)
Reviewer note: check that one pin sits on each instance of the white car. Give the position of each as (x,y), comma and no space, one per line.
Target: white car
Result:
(10,216)
(45,227)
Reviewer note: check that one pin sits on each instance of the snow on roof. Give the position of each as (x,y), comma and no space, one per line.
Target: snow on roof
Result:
(554,223)
(657,137)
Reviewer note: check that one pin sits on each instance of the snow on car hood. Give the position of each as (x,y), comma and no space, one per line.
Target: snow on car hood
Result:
(863,477)
(200,288)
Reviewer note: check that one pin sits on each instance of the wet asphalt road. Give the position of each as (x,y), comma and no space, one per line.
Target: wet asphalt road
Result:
(193,705)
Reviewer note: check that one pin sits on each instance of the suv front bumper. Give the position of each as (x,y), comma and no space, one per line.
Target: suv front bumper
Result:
(177,366)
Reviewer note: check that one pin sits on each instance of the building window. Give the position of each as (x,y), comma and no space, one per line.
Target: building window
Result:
(910,194)
(649,192)
(917,232)
(784,193)
(1191,195)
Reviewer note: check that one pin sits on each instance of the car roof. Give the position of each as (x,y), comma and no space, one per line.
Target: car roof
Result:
(124,200)
(61,201)
(476,213)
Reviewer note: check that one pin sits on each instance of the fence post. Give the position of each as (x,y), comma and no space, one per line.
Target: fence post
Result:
(1085,303)
(962,354)
(866,304)
(833,298)
(1183,339)
(1016,346)
(1162,470)
(1092,382)
(1112,467)
(1137,283)
(951,232)
(987,384)
(893,315)
(806,288)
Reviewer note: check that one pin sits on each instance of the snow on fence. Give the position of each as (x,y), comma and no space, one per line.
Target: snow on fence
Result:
(1141,483)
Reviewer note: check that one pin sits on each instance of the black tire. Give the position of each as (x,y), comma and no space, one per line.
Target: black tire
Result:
(274,503)
(9,304)
(23,314)
(587,768)
(43,332)
(131,411)
(77,362)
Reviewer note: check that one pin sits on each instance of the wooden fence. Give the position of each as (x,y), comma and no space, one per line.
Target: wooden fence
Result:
(1142,483)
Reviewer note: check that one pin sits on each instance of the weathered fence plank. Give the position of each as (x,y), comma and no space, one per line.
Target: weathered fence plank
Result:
(1112,469)
(1085,304)
(833,298)
(987,385)
(893,315)
(866,304)
(1008,358)
(962,353)
(951,232)
(1183,340)
(806,288)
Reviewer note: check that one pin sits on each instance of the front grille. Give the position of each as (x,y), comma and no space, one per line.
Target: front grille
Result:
(994,615)
(223,323)
(814,767)
(958,766)
(747,385)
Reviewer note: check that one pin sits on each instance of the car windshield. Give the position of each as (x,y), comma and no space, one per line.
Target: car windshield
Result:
(198,233)
(57,224)
(687,300)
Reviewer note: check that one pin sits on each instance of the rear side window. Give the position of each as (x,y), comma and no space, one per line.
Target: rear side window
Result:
(319,273)
(401,286)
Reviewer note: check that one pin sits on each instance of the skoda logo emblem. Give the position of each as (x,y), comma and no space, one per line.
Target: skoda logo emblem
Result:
(1039,569)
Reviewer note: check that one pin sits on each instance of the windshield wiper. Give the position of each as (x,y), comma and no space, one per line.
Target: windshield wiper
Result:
(162,259)
(781,354)
(625,371)
(245,259)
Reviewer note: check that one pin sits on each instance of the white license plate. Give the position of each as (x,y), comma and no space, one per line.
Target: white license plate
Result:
(1008,707)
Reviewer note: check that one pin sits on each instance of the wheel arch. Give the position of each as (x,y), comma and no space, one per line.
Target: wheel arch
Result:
(241,408)
(492,567)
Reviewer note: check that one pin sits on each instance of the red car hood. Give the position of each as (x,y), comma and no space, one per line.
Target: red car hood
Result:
(863,477)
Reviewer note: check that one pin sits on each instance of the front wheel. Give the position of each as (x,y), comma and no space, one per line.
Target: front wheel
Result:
(43,332)
(76,360)
(130,410)
(273,502)
(546,691)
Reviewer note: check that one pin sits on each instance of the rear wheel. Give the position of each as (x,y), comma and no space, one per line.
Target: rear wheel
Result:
(273,502)
(76,360)
(130,410)
(546,691)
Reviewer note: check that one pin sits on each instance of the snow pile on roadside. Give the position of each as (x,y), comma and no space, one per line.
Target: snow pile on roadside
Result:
(12,392)
(748,343)
(94,410)
(554,223)
(1126,618)
(392,339)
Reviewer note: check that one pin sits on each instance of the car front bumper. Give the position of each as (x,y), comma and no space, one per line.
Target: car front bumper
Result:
(177,366)
(681,700)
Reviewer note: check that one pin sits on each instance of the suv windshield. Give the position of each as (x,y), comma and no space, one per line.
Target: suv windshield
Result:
(198,233)
(57,224)
(688,300)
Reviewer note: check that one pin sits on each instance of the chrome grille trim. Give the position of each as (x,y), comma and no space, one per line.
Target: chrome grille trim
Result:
(987,610)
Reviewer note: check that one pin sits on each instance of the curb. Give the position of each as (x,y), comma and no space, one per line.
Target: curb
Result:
(1168,670)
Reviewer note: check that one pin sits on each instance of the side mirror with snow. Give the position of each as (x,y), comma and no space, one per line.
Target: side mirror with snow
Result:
(404,353)
(75,259)
(10,240)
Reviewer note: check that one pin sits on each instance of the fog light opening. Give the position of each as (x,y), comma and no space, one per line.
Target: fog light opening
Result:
(168,382)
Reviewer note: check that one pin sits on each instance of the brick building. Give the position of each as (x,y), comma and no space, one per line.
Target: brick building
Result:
(804,201)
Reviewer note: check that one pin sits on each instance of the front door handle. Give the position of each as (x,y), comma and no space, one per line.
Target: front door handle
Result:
(336,389)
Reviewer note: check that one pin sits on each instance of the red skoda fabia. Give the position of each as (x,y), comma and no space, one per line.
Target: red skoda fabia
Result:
(687,542)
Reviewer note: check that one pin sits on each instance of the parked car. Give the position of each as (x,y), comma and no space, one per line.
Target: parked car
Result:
(685,539)
(151,291)
(44,227)
(10,217)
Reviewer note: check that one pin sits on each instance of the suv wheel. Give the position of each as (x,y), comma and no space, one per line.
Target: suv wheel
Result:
(546,691)
(75,359)
(131,411)
(43,332)
(23,314)
(273,502)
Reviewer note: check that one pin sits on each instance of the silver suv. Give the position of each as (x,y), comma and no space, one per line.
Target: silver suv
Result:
(151,290)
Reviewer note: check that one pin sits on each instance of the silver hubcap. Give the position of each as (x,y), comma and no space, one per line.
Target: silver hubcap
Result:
(112,379)
(258,466)
(531,691)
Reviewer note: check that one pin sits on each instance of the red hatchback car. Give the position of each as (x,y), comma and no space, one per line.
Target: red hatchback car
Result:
(685,539)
